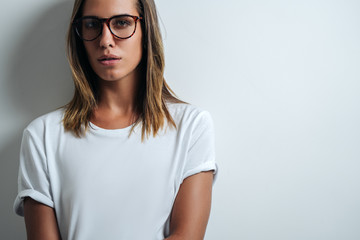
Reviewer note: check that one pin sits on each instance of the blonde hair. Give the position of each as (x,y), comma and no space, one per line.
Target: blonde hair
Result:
(153,93)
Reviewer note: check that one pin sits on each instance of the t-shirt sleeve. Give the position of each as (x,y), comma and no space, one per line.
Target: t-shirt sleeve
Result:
(33,179)
(201,150)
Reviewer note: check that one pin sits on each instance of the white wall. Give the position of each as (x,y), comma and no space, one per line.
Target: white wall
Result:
(281,79)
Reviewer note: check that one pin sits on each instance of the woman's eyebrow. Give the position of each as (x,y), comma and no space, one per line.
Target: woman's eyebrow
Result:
(120,14)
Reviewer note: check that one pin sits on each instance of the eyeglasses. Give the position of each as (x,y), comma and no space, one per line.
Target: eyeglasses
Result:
(89,28)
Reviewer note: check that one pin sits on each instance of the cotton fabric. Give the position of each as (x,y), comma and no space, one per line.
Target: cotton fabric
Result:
(107,185)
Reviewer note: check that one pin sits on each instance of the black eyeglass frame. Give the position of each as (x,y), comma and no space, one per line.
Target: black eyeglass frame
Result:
(102,21)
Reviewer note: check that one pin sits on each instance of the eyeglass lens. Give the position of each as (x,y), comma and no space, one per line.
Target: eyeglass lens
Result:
(121,26)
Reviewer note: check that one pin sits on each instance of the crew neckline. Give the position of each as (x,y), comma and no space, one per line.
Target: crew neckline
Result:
(110,132)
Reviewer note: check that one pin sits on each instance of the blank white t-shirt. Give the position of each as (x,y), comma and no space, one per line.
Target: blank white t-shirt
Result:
(106,185)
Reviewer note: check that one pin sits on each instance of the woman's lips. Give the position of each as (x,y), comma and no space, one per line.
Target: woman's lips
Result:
(109,60)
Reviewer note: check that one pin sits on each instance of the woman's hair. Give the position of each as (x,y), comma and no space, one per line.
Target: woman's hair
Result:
(153,92)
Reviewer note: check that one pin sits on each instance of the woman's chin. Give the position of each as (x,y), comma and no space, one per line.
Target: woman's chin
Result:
(110,77)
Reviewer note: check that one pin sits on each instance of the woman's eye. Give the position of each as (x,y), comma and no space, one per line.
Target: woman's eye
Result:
(122,23)
(91,25)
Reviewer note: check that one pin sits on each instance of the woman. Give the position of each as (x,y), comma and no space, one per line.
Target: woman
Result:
(125,159)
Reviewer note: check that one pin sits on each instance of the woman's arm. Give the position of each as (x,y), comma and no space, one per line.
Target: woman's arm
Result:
(40,221)
(192,208)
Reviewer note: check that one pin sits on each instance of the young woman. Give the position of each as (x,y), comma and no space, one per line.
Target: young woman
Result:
(125,159)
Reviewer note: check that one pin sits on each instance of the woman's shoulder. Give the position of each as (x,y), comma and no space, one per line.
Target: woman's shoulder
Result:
(48,121)
(188,113)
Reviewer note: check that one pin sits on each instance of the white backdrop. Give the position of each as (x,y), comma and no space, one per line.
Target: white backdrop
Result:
(281,79)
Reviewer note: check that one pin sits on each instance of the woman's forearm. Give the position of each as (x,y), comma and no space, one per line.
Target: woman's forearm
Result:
(40,221)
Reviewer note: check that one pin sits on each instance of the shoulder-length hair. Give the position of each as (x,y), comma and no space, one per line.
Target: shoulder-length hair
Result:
(153,93)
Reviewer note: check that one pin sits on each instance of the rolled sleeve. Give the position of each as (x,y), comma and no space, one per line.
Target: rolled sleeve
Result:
(33,178)
(201,152)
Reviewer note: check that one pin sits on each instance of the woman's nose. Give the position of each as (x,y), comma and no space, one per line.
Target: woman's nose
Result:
(106,37)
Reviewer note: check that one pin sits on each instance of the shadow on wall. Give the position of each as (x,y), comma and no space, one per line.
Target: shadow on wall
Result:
(39,82)
(41,79)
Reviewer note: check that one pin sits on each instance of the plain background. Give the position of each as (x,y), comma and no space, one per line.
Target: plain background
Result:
(281,79)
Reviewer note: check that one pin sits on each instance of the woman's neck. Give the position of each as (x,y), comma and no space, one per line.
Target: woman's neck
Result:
(117,96)
(116,106)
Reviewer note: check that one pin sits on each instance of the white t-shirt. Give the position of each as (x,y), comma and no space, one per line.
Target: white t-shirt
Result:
(106,185)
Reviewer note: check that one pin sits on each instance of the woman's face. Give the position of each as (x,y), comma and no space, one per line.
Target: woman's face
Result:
(122,56)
